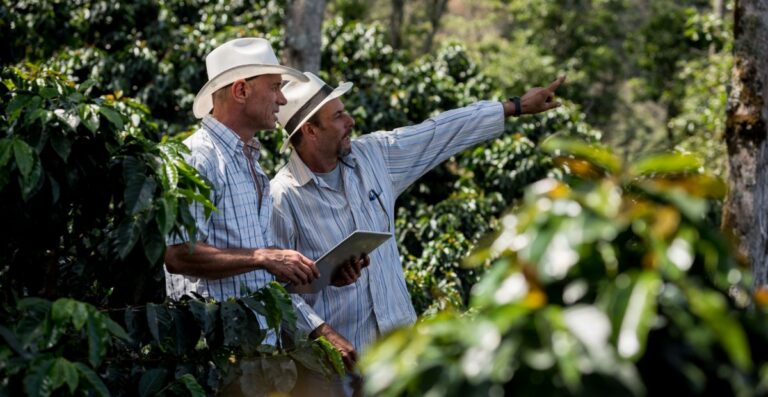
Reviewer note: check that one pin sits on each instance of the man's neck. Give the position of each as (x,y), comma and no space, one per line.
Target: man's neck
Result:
(317,162)
(240,128)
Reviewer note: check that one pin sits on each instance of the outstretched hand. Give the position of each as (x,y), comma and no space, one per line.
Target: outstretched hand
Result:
(537,99)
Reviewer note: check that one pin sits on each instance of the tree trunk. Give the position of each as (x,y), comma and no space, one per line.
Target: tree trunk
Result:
(396,23)
(436,10)
(745,214)
(303,34)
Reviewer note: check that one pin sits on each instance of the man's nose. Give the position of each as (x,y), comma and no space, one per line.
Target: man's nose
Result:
(281,98)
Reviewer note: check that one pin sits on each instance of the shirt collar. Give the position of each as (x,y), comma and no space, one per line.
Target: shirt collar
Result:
(229,138)
(303,174)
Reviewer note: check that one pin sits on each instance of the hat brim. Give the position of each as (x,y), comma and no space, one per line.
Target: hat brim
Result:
(204,100)
(337,92)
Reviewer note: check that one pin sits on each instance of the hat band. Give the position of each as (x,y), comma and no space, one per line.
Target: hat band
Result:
(308,107)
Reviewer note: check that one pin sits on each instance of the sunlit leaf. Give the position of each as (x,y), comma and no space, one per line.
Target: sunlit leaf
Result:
(598,155)
(333,355)
(666,163)
(637,316)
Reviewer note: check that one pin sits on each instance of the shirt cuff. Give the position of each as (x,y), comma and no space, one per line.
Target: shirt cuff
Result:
(308,320)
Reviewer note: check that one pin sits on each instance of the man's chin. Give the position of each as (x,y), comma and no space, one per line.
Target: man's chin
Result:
(345,151)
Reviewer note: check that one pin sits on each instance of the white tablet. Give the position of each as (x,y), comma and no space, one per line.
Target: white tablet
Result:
(357,243)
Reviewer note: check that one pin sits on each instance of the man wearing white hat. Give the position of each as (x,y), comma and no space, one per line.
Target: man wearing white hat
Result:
(241,97)
(333,185)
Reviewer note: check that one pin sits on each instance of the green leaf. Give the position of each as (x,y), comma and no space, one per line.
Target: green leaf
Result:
(97,338)
(13,342)
(234,322)
(154,243)
(666,163)
(160,322)
(31,184)
(334,356)
(48,92)
(711,306)
(192,386)
(139,187)
(252,335)
(206,315)
(6,149)
(61,311)
(279,306)
(89,117)
(166,214)
(171,174)
(128,234)
(97,386)
(595,154)
(638,315)
(152,381)
(86,85)
(25,156)
(115,329)
(36,382)
(187,333)
(63,372)
(16,105)
(113,116)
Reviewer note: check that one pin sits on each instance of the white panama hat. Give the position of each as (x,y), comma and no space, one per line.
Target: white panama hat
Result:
(304,100)
(238,59)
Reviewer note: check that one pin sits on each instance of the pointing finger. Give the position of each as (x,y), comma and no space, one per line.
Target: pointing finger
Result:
(555,84)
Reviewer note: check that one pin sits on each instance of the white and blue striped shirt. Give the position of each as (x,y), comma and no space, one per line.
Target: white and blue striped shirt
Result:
(312,217)
(218,154)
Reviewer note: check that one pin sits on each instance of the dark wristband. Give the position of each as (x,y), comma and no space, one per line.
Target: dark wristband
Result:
(518,110)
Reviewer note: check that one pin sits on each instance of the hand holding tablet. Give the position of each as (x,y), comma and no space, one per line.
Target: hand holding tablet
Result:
(358,243)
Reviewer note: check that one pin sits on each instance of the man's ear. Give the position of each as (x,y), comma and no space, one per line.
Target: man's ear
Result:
(309,130)
(238,91)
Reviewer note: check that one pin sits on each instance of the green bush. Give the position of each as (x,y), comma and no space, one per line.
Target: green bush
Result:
(611,283)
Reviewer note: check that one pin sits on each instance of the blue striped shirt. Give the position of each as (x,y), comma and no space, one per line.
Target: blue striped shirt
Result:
(218,155)
(312,217)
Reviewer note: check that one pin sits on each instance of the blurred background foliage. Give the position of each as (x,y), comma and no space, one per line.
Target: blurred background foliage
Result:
(96,96)
(608,281)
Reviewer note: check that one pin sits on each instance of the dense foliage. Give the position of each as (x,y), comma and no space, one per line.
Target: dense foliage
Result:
(609,282)
(96,96)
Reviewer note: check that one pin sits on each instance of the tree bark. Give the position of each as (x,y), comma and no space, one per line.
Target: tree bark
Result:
(303,35)
(396,23)
(436,10)
(745,213)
